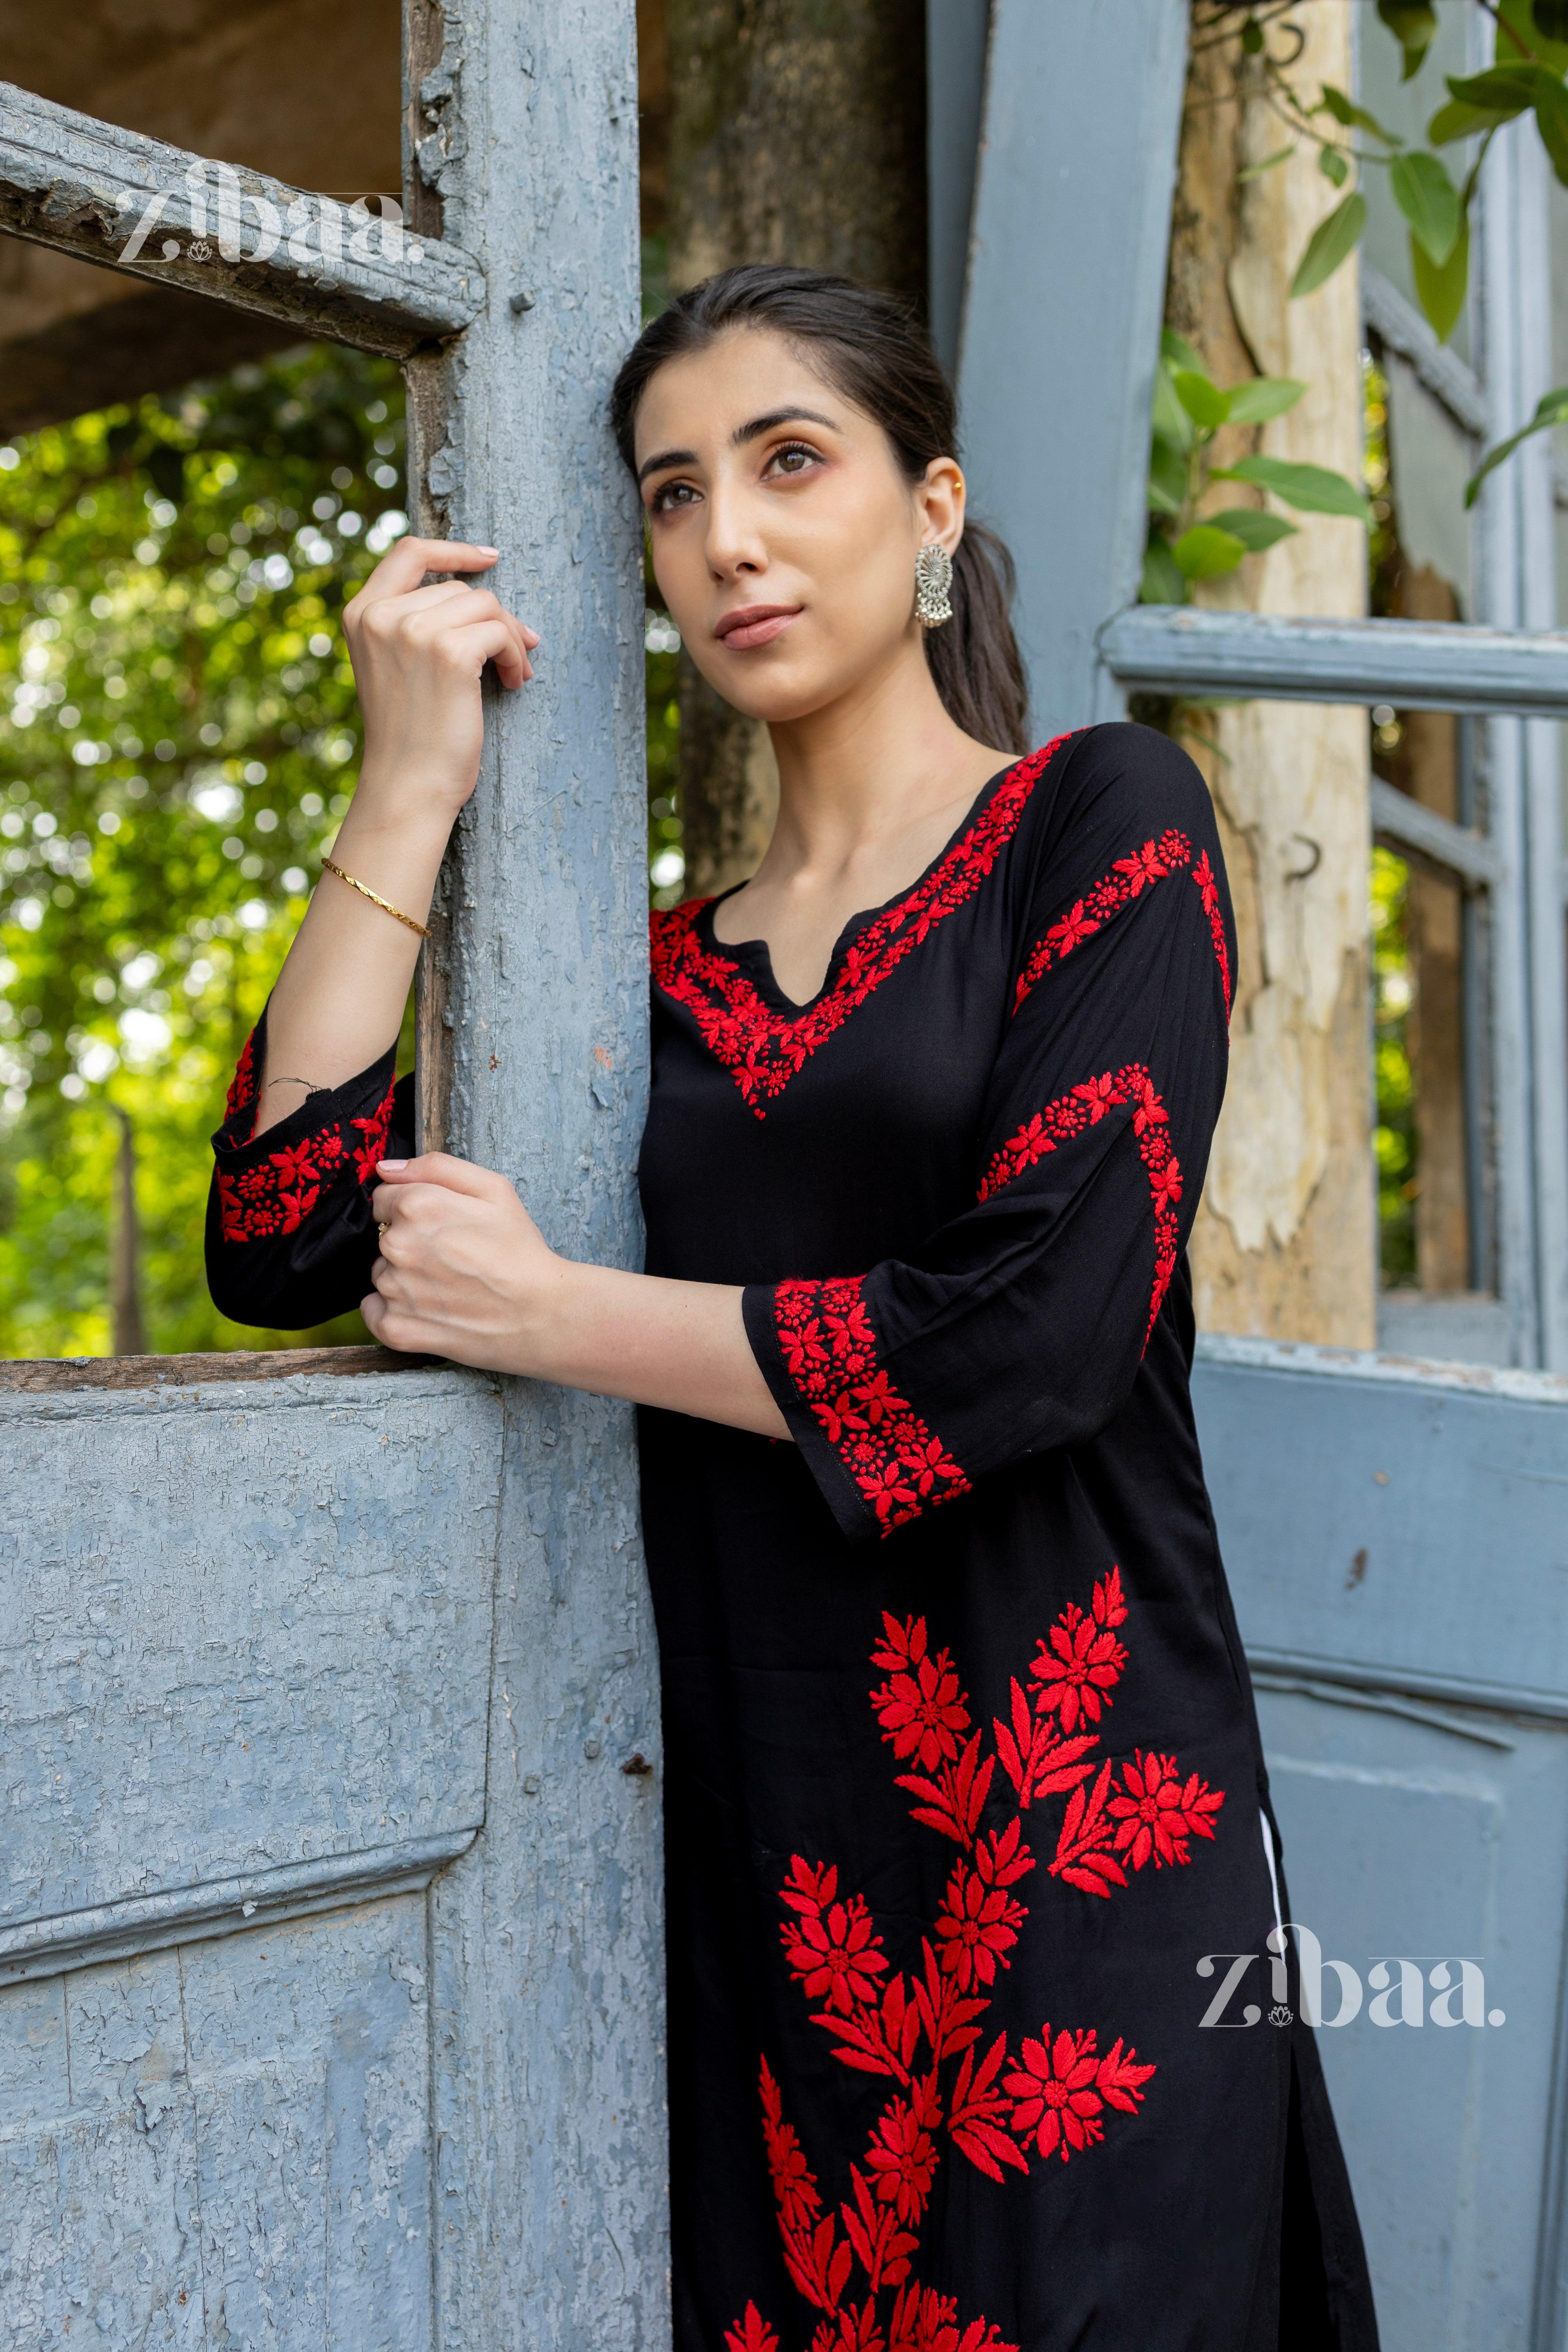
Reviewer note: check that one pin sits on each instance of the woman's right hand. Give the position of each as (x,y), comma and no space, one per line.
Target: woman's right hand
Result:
(418,655)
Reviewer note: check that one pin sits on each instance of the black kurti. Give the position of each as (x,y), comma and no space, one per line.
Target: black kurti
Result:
(963,1778)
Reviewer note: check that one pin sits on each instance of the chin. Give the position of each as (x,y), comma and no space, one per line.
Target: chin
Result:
(777,695)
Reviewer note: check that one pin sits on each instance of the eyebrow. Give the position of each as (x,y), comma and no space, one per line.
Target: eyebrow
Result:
(752,431)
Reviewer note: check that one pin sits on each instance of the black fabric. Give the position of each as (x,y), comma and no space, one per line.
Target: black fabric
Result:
(928,1671)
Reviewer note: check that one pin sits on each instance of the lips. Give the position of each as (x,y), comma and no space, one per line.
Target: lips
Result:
(755,624)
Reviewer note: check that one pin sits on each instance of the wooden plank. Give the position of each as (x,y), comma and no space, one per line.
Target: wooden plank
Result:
(1396,817)
(956,35)
(1414,664)
(547,1938)
(110,196)
(1401,326)
(1061,324)
(242,1628)
(36,1375)
(1393,1524)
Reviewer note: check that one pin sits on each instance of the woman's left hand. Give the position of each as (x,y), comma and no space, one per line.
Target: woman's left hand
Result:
(464,1271)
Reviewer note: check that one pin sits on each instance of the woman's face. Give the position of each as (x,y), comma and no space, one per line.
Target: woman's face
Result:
(784,532)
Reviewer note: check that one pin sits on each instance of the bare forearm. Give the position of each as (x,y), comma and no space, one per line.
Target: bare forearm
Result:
(339,1000)
(681,1344)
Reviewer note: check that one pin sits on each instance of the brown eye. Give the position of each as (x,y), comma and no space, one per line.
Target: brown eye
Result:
(670,495)
(795,459)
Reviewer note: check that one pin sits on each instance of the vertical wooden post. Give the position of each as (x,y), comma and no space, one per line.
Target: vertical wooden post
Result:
(546,1940)
(1061,319)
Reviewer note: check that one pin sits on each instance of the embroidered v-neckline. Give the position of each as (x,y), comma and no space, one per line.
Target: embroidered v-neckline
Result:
(759,1034)
(755,957)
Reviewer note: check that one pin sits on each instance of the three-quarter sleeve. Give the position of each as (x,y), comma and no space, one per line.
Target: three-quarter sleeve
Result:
(290,1239)
(1019,1327)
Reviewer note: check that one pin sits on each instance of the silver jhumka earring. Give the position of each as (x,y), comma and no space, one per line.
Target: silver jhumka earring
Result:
(933,582)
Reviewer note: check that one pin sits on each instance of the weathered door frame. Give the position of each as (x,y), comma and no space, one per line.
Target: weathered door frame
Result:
(509,300)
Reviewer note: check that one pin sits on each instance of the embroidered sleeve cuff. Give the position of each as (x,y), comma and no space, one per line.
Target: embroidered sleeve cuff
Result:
(877,1463)
(272,1184)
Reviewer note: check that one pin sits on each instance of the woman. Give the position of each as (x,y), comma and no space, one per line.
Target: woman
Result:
(962,1774)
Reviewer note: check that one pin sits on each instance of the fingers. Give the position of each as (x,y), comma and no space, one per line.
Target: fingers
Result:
(435,1168)
(440,619)
(409,560)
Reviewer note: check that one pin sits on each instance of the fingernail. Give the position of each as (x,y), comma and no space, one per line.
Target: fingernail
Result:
(391,1163)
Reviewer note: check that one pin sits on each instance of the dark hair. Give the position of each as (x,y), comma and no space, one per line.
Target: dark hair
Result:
(873,350)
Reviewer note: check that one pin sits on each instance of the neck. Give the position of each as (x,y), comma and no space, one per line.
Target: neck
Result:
(875,763)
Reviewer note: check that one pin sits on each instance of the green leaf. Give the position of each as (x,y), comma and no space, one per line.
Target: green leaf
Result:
(1265,396)
(1460,120)
(1205,551)
(1527,23)
(1167,479)
(1255,530)
(1355,118)
(1332,166)
(1169,420)
(1430,202)
(1441,292)
(1501,91)
(1251,37)
(1163,581)
(1413,25)
(1312,490)
(1552,409)
(1205,402)
(1177,352)
(1269,163)
(1551,24)
(1331,242)
(1552,121)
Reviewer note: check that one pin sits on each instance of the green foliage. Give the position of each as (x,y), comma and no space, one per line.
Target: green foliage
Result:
(178,738)
(1333,240)
(1189,409)
(1413,25)
(1395,1136)
(1528,74)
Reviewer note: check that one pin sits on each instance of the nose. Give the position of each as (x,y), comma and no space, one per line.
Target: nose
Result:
(733,541)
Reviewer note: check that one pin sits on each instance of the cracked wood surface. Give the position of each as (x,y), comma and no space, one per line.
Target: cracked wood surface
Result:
(83,186)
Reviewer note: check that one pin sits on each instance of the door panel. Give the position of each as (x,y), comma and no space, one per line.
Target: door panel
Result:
(244,1647)
(245,1630)
(1396,1540)
(224,2143)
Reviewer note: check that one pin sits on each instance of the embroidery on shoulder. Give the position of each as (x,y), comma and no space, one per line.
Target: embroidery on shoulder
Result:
(1003,2110)
(831,1355)
(1171,853)
(764,1049)
(1070,1115)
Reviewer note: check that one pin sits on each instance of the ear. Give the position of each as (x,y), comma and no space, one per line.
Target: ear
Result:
(939,503)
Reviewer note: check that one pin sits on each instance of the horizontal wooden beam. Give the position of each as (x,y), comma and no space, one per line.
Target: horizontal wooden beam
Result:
(1396,817)
(1414,664)
(223,1906)
(110,196)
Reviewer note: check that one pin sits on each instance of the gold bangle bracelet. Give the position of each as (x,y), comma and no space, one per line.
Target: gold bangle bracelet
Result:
(385,904)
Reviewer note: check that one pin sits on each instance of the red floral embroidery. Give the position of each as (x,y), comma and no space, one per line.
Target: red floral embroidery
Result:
(1069,1116)
(1002,2110)
(1127,880)
(279,1192)
(374,1131)
(242,1085)
(829,1350)
(764,1049)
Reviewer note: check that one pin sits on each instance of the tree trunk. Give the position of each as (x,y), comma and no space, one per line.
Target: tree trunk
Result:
(125,1248)
(1285,1240)
(796,133)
